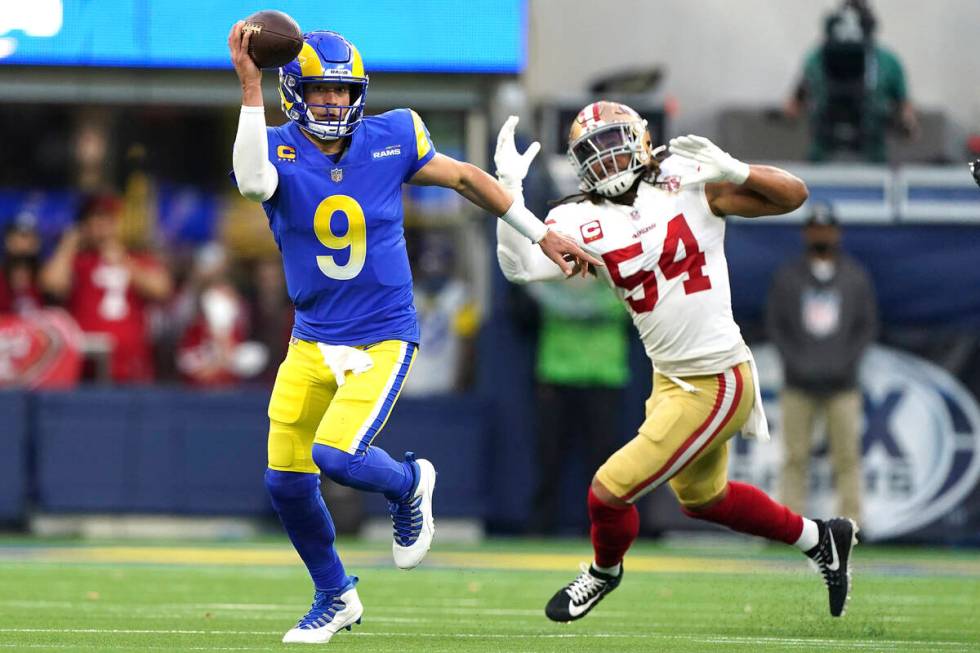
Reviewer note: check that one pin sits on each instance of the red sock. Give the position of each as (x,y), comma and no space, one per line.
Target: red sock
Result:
(613,530)
(748,509)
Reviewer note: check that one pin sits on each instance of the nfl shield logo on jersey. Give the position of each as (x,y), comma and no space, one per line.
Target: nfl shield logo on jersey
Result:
(336,175)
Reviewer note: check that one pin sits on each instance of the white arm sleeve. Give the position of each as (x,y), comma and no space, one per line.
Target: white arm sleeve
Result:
(257,177)
(522,261)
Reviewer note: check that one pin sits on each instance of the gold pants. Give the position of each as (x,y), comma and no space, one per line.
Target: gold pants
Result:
(684,439)
(308,405)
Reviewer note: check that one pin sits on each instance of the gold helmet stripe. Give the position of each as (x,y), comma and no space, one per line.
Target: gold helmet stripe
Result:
(309,62)
(357,64)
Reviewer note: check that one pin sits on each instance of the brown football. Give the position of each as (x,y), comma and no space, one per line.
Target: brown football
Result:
(276,38)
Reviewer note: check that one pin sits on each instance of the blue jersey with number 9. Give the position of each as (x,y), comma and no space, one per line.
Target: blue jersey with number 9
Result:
(339,227)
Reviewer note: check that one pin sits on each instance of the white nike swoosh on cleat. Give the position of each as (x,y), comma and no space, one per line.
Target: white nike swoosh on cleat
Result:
(577,610)
(835,561)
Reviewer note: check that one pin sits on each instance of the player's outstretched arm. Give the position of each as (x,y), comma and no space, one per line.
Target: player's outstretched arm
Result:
(520,261)
(487,193)
(256,177)
(733,187)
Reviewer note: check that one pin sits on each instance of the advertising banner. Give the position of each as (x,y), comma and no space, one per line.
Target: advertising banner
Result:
(920,444)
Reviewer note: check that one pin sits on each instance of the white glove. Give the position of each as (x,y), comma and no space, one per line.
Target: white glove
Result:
(511,165)
(714,164)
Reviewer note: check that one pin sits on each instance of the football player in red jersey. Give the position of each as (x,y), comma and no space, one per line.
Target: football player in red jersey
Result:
(657,221)
(107,288)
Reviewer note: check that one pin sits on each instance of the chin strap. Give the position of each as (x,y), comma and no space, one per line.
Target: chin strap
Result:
(325,139)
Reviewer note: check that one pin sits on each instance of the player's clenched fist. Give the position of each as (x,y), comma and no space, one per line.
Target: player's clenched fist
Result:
(246,69)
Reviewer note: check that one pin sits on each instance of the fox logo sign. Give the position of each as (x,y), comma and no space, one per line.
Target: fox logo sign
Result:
(920,443)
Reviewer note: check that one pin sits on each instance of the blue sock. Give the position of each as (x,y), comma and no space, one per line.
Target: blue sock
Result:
(373,470)
(296,497)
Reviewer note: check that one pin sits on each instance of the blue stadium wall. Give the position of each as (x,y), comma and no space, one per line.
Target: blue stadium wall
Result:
(169,450)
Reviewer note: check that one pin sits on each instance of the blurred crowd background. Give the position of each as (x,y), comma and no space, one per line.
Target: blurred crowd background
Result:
(134,276)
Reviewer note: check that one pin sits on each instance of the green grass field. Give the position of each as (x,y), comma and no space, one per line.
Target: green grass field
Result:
(703,597)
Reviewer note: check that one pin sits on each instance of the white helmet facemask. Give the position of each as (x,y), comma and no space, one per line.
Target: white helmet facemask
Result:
(608,160)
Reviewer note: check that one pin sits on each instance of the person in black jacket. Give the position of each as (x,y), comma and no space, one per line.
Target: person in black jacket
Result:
(821,315)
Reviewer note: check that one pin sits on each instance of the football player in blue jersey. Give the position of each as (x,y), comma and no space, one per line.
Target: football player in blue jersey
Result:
(330,183)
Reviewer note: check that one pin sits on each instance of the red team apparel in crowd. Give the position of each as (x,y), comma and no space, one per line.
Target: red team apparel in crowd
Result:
(103,300)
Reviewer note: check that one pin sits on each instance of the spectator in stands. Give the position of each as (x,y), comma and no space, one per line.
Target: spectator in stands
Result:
(852,88)
(213,350)
(821,316)
(19,290)
(581,371)
(107,288)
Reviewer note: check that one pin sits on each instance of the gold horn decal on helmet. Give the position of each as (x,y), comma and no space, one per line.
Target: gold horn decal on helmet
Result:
(357,64)
(309,62)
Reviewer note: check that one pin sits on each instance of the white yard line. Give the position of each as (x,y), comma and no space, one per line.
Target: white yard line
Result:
(707,639)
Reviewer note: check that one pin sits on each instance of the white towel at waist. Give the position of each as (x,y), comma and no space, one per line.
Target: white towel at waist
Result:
(342,359)
(756,426)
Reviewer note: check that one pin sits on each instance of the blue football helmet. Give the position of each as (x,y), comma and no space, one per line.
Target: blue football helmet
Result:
(325,57)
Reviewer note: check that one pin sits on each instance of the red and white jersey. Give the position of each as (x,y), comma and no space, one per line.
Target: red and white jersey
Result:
(665,258)
(103,300)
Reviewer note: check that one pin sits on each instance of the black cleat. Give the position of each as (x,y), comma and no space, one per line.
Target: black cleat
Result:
(576,599)
(832,558)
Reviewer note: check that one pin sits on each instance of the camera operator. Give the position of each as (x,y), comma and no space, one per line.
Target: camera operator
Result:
(852,89)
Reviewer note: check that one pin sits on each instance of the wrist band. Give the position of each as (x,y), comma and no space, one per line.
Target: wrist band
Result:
(525,222)
(740,172)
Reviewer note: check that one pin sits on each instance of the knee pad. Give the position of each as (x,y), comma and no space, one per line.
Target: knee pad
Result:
(336,464)
(284,486)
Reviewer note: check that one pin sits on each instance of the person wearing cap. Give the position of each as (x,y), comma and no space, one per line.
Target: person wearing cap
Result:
(821,315)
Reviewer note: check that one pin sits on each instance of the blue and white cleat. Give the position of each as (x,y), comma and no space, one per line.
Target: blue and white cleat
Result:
(412,519)
(328,614)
